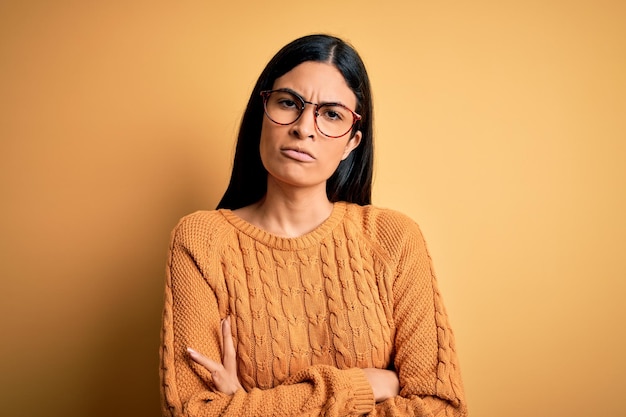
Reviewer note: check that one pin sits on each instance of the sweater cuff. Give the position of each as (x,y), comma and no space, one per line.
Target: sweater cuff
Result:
(362,390)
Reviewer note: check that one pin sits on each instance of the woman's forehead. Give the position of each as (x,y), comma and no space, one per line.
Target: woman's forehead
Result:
(317,82)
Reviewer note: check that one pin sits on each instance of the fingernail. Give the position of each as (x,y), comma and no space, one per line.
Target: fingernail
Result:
(191,351)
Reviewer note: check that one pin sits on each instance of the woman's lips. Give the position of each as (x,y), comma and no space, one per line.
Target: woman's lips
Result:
(297,155)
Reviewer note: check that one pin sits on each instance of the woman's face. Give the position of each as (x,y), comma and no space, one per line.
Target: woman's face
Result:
(298,154)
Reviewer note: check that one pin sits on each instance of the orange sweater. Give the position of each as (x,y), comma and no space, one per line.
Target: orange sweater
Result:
(308,314)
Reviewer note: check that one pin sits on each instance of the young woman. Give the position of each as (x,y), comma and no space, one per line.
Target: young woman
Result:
(296,297)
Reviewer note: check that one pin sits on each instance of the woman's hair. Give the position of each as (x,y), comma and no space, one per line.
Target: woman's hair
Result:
(352,181)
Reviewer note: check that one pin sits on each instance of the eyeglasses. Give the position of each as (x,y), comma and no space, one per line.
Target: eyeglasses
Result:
(284,107)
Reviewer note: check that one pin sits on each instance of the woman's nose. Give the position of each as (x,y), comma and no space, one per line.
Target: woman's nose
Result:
(304,127)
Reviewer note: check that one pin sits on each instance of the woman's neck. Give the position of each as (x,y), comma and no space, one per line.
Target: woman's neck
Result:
(288,212)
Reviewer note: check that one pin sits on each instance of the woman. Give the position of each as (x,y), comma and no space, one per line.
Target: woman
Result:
(296,297)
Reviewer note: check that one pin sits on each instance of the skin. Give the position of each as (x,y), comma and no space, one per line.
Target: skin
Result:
(299,160)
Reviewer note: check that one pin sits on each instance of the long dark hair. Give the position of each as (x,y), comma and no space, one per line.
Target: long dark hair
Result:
(352,181)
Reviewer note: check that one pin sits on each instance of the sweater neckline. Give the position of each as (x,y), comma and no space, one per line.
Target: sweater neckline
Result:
(288,243)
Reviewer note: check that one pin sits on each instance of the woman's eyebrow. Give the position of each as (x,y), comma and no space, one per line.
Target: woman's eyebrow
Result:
(290,90)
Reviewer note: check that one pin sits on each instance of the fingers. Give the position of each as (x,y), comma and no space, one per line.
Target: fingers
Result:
(229,357)
(199,358)
(384,382)
(224,375)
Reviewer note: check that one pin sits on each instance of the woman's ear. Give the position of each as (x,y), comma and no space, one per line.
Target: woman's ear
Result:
(354,141)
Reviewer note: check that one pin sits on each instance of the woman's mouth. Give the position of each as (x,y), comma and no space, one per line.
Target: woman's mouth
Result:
(297,155)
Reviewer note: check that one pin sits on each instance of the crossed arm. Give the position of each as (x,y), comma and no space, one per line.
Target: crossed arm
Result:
(384,383)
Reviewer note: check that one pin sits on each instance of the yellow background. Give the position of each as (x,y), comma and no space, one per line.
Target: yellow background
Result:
(501,129)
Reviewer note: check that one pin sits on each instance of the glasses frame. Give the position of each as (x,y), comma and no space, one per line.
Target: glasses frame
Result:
(266,94)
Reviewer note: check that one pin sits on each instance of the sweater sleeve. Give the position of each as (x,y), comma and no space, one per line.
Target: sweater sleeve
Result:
(425,355)
(191,317)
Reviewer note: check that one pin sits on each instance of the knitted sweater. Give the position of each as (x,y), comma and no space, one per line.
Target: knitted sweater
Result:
(308,314)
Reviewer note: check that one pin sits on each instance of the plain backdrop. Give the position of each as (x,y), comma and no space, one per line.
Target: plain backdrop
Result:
(500,128)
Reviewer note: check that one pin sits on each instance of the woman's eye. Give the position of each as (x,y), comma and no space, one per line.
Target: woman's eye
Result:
(287,103)
(331,114)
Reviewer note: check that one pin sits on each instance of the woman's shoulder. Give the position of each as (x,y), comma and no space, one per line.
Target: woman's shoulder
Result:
(384,224)
(391,233)
(201,218)
(199,225)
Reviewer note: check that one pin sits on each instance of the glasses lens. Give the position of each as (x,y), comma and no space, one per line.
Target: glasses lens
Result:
(283,107)
(334,120)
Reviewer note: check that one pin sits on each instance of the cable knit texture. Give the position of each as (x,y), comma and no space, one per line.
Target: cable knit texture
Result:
(308,314)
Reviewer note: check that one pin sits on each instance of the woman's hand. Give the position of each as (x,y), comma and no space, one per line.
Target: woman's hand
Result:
(385,383)
(224,374)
